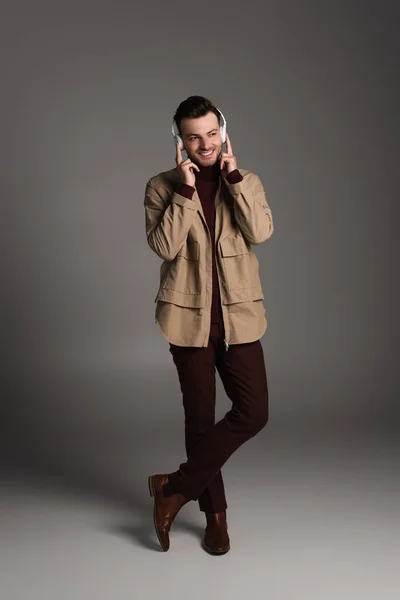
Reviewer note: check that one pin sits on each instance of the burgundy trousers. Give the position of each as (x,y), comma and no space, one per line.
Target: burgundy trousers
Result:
(209,444)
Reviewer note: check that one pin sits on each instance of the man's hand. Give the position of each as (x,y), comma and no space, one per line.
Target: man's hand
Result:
(228,161)
(185,168)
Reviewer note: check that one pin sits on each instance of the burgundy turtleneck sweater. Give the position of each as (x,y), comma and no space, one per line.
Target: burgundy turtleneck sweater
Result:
(206,186)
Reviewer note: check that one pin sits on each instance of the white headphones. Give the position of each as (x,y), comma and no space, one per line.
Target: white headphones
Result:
(179,140)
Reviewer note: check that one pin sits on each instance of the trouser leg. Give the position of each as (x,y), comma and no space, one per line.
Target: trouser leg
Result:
(243,374)
(196,371)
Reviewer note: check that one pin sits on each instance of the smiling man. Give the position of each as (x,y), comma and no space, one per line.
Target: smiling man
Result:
(202,219)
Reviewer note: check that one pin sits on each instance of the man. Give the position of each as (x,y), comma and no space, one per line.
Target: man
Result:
(202,218)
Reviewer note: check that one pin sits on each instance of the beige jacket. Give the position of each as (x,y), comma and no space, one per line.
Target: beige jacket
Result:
(177,232)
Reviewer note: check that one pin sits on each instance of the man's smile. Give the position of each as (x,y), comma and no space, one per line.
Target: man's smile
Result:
(206,152)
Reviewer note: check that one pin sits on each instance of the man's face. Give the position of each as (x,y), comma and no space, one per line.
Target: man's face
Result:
(202,139)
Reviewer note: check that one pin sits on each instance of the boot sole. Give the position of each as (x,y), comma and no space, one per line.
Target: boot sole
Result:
(152,490)
(214,552)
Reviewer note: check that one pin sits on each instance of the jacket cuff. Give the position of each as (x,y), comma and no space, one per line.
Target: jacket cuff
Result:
(186,190)
(234,177)
(184,202)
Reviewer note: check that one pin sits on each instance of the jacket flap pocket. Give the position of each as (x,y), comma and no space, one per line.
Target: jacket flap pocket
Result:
(180,298)
(233,245)
(190,251)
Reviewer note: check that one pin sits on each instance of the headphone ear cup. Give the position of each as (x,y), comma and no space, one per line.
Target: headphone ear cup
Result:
(222,130)
(178,140)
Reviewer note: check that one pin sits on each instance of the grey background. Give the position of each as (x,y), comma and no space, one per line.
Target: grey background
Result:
(92,402)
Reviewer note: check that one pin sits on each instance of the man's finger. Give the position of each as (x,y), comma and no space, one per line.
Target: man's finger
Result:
(178,157)
(191,165)
(188,164)
(228,144)
(185,163)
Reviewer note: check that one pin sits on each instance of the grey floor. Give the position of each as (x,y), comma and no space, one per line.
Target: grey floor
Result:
(315,518)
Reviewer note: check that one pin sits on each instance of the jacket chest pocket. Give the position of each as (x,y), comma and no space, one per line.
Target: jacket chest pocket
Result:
(183,274)
(236,262)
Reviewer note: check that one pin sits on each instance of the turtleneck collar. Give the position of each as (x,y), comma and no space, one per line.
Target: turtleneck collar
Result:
(210,173)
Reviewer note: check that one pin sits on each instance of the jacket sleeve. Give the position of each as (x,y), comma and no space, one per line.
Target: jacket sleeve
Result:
(251,210)
(167,225)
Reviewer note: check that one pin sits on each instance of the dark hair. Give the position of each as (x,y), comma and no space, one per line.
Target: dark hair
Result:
(193,107)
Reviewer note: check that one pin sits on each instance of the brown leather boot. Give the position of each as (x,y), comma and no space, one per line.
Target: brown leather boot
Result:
(165,507)
(216,538)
